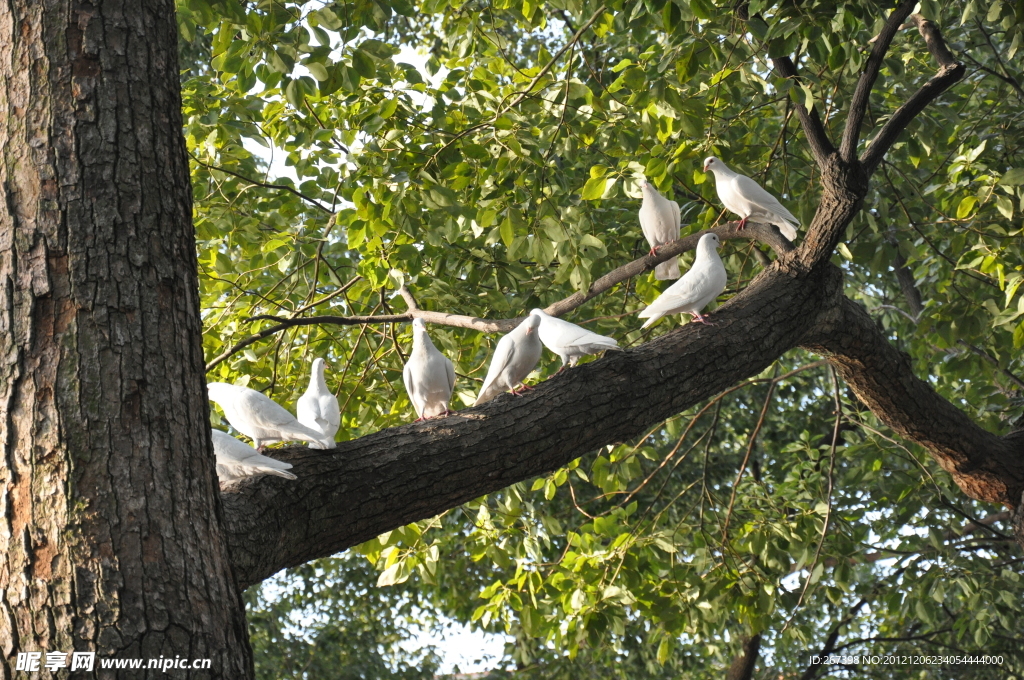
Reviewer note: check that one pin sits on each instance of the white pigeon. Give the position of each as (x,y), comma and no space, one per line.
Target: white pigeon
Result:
(514,358)
(699,286)
(748,199)
(260,418)
(659,220)
(237,460)
(429,375)
(317,409)
(569,341)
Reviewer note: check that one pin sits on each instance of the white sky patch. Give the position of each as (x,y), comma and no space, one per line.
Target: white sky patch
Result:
(275,157)
(471,651)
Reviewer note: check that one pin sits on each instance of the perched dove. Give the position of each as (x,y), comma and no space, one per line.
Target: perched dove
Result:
(745,197)
(260,418)
(569,341)
(659,220)
(699,286)
(317,409)
(237,460)
(429,375)
(514,358)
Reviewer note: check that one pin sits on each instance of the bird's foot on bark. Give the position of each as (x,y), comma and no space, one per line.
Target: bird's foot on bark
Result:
(743,223)
(701,319)
(653,251)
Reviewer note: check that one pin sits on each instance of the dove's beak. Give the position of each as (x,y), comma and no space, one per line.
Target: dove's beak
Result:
(705,167)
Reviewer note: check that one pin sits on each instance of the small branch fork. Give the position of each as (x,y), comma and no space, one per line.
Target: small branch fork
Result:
(810,121)
(762,233)
(950,71)
(859,103)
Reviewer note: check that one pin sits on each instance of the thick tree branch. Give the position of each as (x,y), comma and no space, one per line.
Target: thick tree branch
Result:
(388,479)
(950,71)
(810,121)
(385,480)
(742,667)
(859,103)
(984,465)
(763,233)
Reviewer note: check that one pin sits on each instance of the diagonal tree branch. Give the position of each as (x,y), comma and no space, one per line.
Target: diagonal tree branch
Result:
(742,667)
(986,466)
(950,71)
(859,103)
(399,475)
(382,481)
(810,121)
(763,233)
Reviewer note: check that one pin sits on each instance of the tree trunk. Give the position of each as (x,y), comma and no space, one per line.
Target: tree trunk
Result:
(110,537)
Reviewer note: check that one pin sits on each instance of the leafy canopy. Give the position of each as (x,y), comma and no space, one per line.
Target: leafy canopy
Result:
(504,177)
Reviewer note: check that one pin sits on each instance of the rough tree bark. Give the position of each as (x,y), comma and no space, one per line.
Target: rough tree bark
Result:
(109,533)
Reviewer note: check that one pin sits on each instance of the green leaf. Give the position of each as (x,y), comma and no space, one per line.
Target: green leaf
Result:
(1012,177)
(1005,206)
(507,232)
(966,206)
(594,188)
(363,64)
(392,575)
(318,70)
(389,107)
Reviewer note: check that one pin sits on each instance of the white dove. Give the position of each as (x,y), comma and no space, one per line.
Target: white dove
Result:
(659,220)
(748,199)
(514,358)
(429,375)
(317,409)
(237,460)
(699,286)
(260,418)
(569,341)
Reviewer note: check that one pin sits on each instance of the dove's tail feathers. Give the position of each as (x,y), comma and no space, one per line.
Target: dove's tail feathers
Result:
(485,396)
(275,471)
(489,391)
(650,321)
(306,434)
(599,344)
(788,230)
(668,270)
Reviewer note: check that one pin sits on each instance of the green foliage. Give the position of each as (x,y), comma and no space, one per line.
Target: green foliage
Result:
(505,178)
(327,619)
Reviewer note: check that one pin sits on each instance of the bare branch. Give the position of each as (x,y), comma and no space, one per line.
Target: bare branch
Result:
(763,233)
(265,185)
(905,277)
(995,362)
(859,103)
(810,121)
(950,71)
